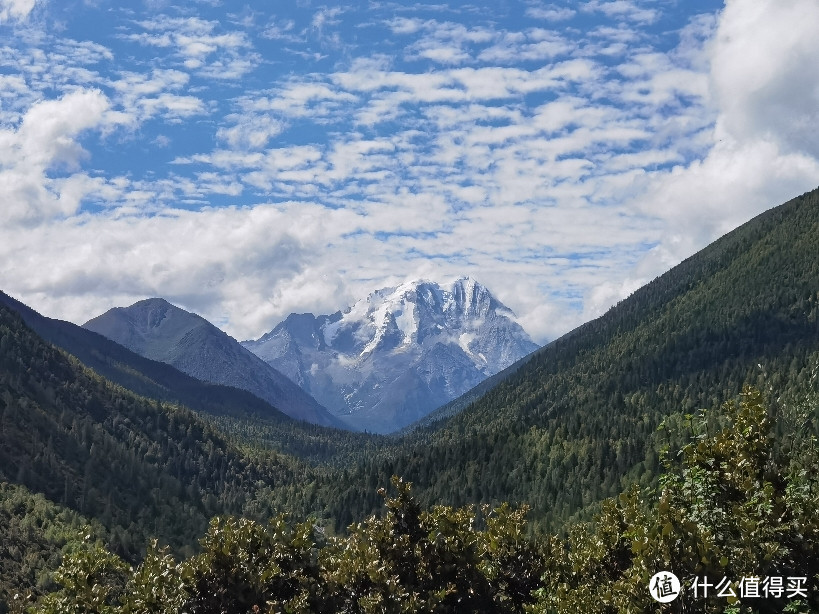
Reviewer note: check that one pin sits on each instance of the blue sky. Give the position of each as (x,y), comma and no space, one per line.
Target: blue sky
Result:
(248,160)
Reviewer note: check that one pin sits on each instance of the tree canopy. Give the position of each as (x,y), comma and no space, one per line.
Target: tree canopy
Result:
(731,507)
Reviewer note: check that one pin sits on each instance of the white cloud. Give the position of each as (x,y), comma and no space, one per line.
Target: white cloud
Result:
(625,9)
(250,131)
(198,47)
(550,13)
(188,257)
(405,25)
(137,85)
(283,30)
(311,99)
(445,43)
(145,96)
(49,65)
(532,45)
(14,94)
(765,72)
(326,17)
(15,9)
(765,89)
(464,84)
(656,80)
(82,53)
(46,140)
(708,198)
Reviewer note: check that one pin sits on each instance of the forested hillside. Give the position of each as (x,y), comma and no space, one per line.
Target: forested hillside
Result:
(34,535)
(140,467)
(236,411)
(578,422)
(735,508)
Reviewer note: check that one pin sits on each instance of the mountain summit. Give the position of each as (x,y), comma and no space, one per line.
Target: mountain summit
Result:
(158,330)
(399,353)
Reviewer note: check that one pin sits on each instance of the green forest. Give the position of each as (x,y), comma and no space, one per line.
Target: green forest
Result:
(677,432)
(729,504)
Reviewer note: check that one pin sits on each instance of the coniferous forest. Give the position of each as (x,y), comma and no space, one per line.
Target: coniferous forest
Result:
(676,433)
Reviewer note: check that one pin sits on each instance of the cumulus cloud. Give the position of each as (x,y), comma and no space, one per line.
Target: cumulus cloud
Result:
(188,257)
(765,75)
(47,140)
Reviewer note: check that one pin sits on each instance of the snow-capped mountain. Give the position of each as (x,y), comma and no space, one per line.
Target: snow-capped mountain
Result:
(396,355)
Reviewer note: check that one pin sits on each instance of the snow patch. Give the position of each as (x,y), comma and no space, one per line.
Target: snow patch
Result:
(330,331)
(407,321)
(379,318)
(376,341)
(464,340)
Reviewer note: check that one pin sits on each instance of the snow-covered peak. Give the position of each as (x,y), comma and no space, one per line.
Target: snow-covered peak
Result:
(465,297)
(388,312)
(399,352)
(396,317)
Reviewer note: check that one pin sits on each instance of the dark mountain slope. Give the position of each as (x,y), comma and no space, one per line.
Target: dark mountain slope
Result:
(141,375)
(160,331)
(579,419)
(139,467)
(237,411)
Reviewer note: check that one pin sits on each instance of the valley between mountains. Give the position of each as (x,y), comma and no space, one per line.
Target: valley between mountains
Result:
(148,422)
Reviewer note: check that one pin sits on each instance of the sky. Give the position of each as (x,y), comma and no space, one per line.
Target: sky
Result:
(246,160)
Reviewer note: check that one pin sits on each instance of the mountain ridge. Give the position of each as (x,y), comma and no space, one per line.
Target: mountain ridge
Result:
(158,330)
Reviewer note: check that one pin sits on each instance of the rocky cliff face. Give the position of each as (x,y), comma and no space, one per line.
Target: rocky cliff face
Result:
(396,355)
